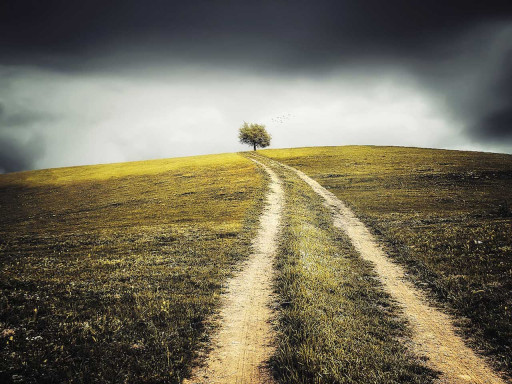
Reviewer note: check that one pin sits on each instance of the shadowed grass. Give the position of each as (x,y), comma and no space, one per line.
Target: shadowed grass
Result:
(336,325)
(444,214)
(109,272)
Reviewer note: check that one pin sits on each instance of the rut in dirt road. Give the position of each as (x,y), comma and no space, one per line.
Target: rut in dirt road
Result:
(433,333)
(243,344)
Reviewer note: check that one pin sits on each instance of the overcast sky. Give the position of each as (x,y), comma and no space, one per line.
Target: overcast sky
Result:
(96,82)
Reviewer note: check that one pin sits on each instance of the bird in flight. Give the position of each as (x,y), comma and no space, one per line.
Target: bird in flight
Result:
(282,118)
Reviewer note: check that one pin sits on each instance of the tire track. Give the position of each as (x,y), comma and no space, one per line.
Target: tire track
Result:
(433,332)
(243,344)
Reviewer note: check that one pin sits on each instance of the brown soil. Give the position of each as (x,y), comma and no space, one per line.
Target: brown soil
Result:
(244,341)
(433,332)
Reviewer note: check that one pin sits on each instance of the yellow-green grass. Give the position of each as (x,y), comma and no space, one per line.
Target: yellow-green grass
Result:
(109,273)
(336,325)
(445,214)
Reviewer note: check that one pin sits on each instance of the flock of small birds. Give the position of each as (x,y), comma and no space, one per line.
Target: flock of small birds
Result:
(281,119)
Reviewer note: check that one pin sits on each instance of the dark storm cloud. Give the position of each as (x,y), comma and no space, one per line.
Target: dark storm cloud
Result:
(494,123)
(497,125)
(19,156)
(19,151)
(302,33)
(458,50)
(12,158)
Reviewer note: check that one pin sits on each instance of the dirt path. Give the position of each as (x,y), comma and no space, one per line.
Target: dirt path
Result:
(244,341)
(433,333)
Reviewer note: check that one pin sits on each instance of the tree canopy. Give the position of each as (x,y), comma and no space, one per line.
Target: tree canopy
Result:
(255,135)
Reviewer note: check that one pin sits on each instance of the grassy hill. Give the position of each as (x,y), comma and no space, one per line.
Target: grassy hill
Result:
(446,215)
(109,273)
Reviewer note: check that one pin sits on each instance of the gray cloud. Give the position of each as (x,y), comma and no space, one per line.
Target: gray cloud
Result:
(475,82)
(18,156)
(20,119)
(125,80)
(21,143)
(176,112)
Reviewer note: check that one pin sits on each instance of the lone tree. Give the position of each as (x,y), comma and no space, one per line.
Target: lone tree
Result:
(255,135)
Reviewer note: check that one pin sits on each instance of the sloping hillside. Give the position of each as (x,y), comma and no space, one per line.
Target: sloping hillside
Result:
(445,215)
(109,272)
(118,273)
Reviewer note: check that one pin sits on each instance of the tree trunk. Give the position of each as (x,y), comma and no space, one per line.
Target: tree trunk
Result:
(254,144)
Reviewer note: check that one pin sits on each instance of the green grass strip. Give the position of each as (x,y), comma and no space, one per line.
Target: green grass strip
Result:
(336,324)
(445,215)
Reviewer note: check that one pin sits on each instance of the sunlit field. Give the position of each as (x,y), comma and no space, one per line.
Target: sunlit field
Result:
(446,215)
(109,272)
